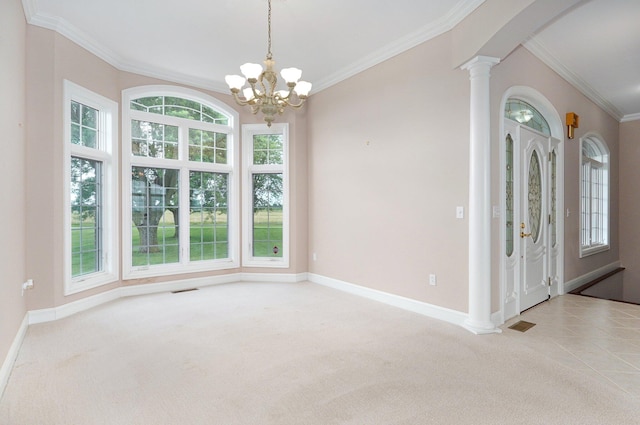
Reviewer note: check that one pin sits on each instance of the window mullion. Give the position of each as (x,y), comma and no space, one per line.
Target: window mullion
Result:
(594,195)
(90,217)
(160,149)
(184,220)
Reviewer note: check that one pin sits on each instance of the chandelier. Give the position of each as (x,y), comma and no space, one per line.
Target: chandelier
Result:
(261,94)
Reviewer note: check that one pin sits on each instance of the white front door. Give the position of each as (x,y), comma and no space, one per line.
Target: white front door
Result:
(534,223)
(532,218)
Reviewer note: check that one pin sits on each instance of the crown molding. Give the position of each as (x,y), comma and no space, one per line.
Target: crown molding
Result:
(630,117)
(440,26)
(426,33)
(85,41)
(66,29)
(29,7)
(538,50)
(175,77)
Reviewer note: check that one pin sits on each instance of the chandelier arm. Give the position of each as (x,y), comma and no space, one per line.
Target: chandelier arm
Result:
(256,95)
(296,105)
(264,96)
(239,101)
(287,97)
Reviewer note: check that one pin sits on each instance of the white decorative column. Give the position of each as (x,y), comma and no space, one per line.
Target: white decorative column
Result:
(479,320)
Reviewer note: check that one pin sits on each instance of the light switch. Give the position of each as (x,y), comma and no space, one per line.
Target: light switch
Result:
(459,212)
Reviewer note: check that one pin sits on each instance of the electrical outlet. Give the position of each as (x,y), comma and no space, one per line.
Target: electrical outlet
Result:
(432,280)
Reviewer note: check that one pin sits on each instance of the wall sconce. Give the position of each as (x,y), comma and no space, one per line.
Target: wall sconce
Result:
(573,121)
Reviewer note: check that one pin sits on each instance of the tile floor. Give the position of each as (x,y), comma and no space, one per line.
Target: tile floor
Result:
(597,337)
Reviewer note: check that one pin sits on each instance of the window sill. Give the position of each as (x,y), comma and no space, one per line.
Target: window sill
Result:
(87,282)
(279,263)
(587,251)
(139,272)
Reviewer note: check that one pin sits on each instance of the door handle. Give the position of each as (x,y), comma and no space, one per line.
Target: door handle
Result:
(522,233)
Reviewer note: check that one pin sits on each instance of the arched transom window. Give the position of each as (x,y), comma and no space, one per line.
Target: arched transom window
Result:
(594,196)
(180,167)
(524,113)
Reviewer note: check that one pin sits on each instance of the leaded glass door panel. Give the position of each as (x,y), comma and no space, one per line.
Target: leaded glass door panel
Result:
(534,218)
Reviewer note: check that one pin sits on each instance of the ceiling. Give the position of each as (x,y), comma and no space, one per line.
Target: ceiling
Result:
(596,46)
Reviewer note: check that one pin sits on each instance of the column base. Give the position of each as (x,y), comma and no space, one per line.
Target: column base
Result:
(481,328)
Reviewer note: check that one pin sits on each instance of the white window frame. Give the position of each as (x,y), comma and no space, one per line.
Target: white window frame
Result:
(184,265)
(591,247)
(106,153)
(248,131)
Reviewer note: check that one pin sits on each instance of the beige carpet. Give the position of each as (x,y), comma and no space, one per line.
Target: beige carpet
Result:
(288,354)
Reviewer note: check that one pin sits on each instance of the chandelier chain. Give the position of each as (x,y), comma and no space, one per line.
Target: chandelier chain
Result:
(269,56)
(262,94)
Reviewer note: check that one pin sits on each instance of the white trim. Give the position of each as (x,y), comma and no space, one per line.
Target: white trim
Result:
(66,310)
(273,277)
(596,139)
(183,164)
(248,131)
(429,310)
(572,78)
(69,309)
(479,217)
(588,277)
(556,126)
(630,117)
(428,32)
(497,318)
(12,355)
(107,154)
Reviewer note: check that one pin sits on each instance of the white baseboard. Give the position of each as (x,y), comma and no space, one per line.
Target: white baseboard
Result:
(7,365)
(66,310)
(273,277)
(588,277)
(177,285)
(430,310)
(497,318)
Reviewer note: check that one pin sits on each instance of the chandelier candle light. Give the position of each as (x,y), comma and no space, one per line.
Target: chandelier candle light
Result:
(261,94)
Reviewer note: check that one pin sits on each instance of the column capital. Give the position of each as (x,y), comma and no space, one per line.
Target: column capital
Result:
(480,60)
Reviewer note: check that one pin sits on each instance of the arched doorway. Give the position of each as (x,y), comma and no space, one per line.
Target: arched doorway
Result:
(532,234)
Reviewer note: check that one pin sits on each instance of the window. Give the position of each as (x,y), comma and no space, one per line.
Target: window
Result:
(266,195)
(91,179)
(594,196)
(526,114)
(509,208)
(180,171)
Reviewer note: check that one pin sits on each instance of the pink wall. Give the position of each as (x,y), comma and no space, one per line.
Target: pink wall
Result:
(49,61)
(12,165)
(379,164)
(53,58)
(388,165)
(630,208)
(522,68)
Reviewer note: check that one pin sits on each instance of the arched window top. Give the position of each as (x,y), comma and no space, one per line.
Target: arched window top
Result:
(594,149)
(179,107)
(526,114)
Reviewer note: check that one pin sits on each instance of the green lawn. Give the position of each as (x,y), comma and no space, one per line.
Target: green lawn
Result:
(267,233)
(206,242)
(203,243)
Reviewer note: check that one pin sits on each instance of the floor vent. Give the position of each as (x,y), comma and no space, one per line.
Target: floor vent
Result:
(522,326)
(184,290)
